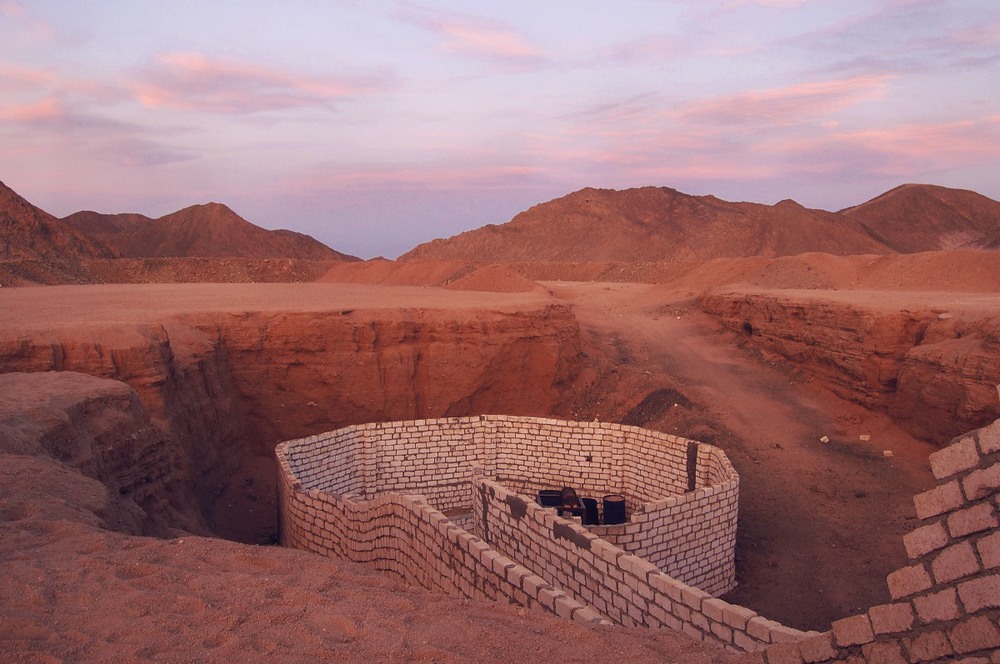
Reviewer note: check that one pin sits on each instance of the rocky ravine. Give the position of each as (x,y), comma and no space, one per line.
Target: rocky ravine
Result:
(78,585)
(221,389)
(931,360)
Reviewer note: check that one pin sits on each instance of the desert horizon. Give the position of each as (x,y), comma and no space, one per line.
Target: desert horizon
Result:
(144,391)
(497,332)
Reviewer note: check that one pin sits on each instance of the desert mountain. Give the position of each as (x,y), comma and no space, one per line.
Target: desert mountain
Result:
(29,233)
(923,217)
(654,224)
(106,226)
(211,230)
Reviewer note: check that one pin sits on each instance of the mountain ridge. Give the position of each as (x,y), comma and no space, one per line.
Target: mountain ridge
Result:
(209,230)
(655,223)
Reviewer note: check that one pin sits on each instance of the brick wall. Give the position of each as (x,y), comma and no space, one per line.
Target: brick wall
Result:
(403,535)
(691,535)
(946,601)
(622,587)
(345,494)
(352,493)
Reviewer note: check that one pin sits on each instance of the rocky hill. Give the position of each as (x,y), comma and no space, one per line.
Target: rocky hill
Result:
(661,224)
(207,243)
(29,233)
(654,224)
(199,231)
(923,217)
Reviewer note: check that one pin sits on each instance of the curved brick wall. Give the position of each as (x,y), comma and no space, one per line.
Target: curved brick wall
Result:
(351,493)
(336,499)
(689,535)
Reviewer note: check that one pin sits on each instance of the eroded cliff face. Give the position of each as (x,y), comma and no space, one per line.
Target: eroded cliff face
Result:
(299,373)
(221,390)
(59,428)
(931,362)
(950,381)
(181,386)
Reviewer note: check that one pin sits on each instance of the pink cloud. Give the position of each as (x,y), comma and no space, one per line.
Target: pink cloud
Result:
(783,106)
(950,144)
(474,36)
(902,152)
(24,78)
(651,48)
(644,139)
(481,40)
(653,150)
(965,47)
(190,81)
(981,34)
(54,113)
(12,9)
(620,116)
(95,137)
(45,110)
(49,82)
(669,157)
(29,27)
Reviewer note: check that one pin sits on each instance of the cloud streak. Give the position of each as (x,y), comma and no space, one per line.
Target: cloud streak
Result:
(477,37)
(647,49)
(784,106)
(195,82)
(53,113)
(942,145)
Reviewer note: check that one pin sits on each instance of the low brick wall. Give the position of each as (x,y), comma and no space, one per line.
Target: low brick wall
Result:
(946,602)
(517,550)
(405,536)
(375,493)
(622,587)
(691,535)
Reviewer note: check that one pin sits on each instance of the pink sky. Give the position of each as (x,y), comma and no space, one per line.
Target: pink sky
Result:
(376,126)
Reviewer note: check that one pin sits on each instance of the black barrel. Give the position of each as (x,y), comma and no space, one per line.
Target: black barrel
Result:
(550,498)
(614,509)
(590,517)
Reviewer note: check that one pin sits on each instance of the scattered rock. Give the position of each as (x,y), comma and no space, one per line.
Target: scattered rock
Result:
(887,453)
(824,439)
(865,437)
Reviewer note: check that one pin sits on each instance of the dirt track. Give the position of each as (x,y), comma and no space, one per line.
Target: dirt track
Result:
(821,524)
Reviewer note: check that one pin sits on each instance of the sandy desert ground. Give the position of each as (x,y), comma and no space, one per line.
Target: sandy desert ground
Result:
(820,523)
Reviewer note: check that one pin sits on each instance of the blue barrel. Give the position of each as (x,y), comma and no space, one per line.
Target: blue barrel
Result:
(614,509)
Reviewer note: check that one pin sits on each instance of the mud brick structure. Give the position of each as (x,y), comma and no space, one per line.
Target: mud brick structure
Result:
(446,504)
(687,531)
(398,494)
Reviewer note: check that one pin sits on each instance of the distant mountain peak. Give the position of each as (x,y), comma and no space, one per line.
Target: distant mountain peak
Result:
(205,230)
(652,224)
(925,217)
(28,232)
